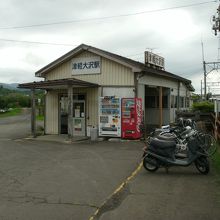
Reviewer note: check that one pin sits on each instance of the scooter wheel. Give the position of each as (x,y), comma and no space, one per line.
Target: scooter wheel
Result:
(202,165)
(150,163)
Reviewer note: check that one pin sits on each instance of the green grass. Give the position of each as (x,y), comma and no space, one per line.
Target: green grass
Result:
(17,111)
(40,118)
(13,112)
(216,160)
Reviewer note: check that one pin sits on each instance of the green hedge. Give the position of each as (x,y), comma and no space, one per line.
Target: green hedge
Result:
(14,100)
(13,112)
(203,106)
(216,161)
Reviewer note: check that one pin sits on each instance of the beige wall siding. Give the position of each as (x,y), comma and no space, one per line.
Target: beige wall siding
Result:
(158,81)
(112,73)
(183,91)
(168,83)
(52,113)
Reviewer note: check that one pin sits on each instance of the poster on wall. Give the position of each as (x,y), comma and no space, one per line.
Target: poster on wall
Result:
(77,124)
(77,113)
(86,65)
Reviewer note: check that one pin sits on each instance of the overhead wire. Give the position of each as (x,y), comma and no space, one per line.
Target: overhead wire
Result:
(56,44)
(36,42)
(82,20)
(90,19)
(106,17)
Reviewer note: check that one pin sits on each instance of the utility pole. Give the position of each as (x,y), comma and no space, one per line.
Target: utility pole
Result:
(204,69)
(201,91)
(213,65)
(216,20)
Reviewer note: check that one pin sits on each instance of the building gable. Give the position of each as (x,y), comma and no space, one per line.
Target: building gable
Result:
(115,69)
(111,72)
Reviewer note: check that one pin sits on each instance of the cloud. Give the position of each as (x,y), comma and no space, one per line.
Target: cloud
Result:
(16,75)
(176,34)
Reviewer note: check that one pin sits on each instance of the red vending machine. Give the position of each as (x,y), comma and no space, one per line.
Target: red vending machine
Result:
(131,111)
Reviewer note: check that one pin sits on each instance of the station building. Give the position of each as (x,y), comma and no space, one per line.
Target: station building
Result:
(76,80)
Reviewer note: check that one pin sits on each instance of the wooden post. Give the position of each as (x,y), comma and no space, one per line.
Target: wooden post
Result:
(160,106)
(33,113)
(70,111)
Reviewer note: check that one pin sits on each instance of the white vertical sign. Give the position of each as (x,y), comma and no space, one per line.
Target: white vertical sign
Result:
(154,59)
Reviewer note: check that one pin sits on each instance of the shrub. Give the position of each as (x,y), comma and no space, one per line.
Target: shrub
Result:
(203,106)
(216,160)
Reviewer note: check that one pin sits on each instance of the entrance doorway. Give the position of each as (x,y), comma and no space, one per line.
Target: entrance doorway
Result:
(152,106)
(79,122)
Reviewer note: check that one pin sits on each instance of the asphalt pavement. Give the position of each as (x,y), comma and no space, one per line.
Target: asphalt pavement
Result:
(47,180)
(14,127)
(180,194)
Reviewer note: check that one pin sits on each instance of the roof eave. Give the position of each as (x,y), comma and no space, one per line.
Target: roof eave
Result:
(60,82)
(60,60)
(171,76)
(134,68)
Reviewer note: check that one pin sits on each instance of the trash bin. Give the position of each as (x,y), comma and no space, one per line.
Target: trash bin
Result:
(94,133)
(88,130)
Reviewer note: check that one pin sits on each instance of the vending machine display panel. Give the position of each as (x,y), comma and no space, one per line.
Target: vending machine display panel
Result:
(110,116)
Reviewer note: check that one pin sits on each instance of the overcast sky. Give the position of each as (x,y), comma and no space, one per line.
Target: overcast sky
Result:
(174,34)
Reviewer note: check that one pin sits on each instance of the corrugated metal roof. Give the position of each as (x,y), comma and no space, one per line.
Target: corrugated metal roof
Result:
(59,82)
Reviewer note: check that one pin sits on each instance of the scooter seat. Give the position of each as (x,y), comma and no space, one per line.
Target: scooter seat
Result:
(157,143)
(167,137)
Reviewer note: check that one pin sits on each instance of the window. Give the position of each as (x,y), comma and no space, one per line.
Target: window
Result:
(176,101)
(153,102)
(165,102)
(172,101)
(181,102)
(150,102)
(78,97)
(187,102)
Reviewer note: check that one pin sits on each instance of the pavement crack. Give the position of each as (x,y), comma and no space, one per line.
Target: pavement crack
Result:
(139,194)
(12,178)
(28,198)
(117,197)
(72,204)
(113,202)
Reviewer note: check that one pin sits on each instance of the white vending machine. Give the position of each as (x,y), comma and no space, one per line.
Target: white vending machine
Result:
(110,116)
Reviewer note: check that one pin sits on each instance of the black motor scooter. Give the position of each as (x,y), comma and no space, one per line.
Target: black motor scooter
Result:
(161,153)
